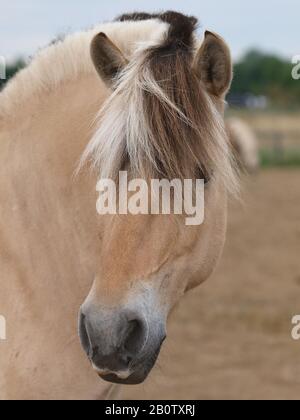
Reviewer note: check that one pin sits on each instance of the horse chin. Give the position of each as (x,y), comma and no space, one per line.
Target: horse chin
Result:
(133,379)
(138,375)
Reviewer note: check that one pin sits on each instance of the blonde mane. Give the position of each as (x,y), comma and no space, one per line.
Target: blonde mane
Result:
(67,59)
(157,122)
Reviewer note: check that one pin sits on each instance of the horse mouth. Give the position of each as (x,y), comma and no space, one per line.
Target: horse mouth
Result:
(133,379)
(137,376)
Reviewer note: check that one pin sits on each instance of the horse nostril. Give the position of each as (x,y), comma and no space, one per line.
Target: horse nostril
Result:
(83,334)
(95,352)
(128,360)
(135,338)
(116,347)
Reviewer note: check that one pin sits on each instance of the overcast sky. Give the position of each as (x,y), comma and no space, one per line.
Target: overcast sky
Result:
(272,25)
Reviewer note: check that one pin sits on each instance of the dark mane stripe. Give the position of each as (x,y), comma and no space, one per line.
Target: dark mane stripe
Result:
(181,26)
(178,137)
(136,16)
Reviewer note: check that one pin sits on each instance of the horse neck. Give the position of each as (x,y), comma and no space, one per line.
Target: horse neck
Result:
(56,122)
(42,205)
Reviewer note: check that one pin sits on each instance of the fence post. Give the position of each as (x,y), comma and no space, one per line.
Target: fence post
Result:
(278,146)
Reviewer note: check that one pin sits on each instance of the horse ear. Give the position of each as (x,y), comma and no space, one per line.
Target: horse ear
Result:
(213,64)
(107,58)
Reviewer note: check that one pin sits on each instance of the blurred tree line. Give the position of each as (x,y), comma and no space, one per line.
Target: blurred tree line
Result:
(11,70)
(256,73)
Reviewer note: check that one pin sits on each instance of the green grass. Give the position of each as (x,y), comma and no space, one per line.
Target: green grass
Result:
(286,158)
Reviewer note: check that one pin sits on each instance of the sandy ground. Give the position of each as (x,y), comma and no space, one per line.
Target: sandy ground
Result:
(231,338)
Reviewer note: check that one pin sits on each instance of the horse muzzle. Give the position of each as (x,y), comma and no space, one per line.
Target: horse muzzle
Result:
(121,344)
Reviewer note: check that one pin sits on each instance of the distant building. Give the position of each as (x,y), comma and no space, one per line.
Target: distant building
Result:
(247,100)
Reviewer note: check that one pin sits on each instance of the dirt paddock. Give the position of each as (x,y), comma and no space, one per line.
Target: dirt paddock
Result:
(231,338)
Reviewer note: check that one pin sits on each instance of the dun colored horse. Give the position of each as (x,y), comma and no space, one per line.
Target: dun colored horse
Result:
(160,93)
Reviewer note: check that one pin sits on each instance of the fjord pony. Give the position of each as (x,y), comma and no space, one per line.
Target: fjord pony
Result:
(160,93)
(244,143)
